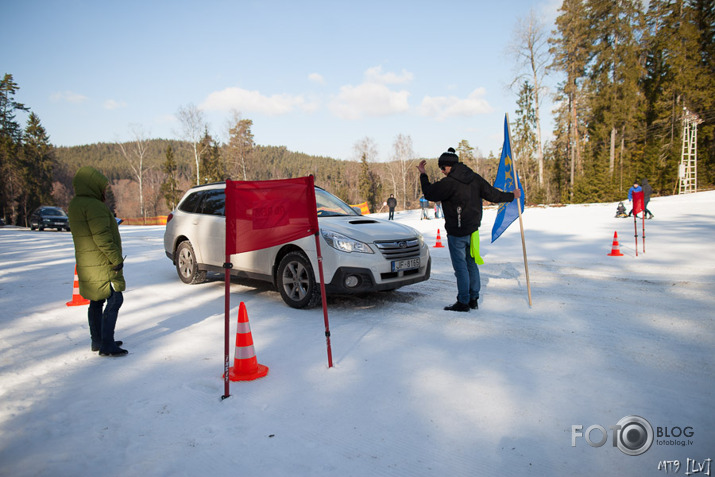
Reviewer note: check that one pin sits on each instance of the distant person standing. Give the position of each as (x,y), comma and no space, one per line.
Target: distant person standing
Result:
(461,191)
(647,191)
(424,203)
(391,204)
(98,255)
(634,188)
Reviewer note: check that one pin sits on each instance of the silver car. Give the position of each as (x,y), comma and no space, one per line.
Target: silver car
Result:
(360,254)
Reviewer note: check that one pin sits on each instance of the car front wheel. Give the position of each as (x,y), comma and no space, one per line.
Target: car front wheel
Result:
(187,266)
(296,281)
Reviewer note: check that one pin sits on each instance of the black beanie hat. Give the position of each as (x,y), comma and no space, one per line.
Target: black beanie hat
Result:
(448,158)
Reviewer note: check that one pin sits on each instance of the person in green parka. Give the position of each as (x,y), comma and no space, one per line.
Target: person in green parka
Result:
(98,255)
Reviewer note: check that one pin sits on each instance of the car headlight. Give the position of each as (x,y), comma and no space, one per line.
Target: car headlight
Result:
(345,244)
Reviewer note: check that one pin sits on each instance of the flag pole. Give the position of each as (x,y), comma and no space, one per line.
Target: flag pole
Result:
(521,223)
(635,226)
(324,300)
(226,328)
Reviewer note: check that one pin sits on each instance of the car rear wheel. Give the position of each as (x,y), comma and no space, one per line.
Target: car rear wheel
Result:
(296,281)
(187,266)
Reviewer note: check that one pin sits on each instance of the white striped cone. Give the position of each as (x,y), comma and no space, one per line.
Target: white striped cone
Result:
(77,299)
(245,364)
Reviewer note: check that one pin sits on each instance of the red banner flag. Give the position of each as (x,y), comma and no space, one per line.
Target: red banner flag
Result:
(262,214)
(638,203)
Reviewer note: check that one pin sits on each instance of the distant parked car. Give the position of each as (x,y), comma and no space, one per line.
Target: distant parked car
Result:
(48,217)
(360,254)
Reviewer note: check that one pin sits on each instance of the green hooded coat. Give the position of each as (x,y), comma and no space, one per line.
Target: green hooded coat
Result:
(97,243)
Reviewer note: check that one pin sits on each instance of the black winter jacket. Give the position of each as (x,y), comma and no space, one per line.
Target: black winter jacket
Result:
(461,194)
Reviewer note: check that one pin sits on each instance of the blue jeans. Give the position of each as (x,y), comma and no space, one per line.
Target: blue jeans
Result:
(465,268)
(102,322)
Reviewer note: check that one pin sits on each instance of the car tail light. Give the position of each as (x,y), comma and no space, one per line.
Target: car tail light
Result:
(169,217)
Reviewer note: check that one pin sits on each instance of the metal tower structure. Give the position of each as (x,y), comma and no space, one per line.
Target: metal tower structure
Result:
(688,172)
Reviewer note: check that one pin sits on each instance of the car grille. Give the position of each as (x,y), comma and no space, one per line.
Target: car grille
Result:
(399,249)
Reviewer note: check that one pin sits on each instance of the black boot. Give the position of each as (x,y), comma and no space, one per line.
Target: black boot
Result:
(96,344)
(108,346)
(474,303)
(94,317)
(113,352)
(458,306)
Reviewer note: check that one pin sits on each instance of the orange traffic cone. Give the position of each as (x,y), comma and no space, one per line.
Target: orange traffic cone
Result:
(615,251)
(439,241)
(245,365)
(77,299)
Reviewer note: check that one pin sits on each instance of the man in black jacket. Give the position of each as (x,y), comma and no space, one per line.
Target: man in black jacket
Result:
(461,192)
(391,204)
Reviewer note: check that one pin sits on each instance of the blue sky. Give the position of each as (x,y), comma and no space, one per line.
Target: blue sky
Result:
(314,76)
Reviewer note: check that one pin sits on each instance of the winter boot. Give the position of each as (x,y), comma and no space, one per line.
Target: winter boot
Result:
(94,317)
(109,347)
(96,344)
(113,352)
(458,306)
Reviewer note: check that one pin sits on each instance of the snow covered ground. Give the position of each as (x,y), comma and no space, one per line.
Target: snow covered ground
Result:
(415,390)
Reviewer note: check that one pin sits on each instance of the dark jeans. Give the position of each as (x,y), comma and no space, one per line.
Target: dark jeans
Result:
(102,321)
(465,268)
(392,215)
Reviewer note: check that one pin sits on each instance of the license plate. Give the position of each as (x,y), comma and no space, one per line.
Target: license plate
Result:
(406,264)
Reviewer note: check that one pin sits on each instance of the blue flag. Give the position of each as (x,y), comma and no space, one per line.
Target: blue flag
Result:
(507,180)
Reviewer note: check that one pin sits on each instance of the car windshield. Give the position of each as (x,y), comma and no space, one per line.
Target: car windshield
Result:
(328,205)
(52,212)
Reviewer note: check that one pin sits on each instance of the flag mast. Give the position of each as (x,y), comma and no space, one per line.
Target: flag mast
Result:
(521,223)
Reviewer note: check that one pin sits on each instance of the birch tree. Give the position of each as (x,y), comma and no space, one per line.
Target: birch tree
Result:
(135,152)
(193,126)
(403,163)
(530,51)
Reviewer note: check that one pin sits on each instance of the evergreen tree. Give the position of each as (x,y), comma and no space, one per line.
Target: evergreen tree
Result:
(10,149)
(239,148)
(369,185)
(614,74)
(37,165)
(524,135)
(525,144)
(570,50)
(466,155)
(676,78)
(211,165)
(170,187)
(9,127)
